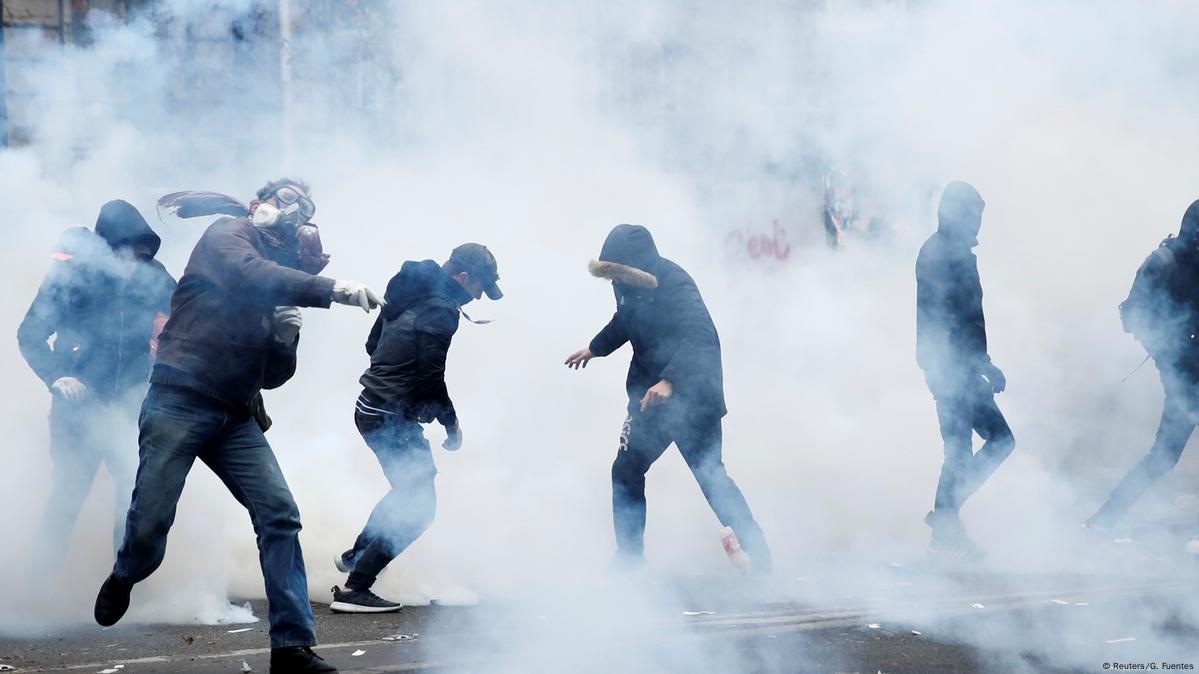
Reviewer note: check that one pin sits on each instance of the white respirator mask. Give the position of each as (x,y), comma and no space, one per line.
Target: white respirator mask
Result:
(265,215)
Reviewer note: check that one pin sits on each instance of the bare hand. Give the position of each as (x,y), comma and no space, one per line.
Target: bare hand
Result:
(657,394)
(453,438)
(996,377)
(579,358)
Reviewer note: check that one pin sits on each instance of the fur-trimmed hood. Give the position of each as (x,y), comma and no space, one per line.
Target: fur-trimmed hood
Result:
(629,256)
(622,273)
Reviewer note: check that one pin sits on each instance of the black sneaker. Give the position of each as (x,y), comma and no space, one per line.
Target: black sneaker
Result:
(345,561)
(298,660)
(949,536)
(112,602)
(361,601)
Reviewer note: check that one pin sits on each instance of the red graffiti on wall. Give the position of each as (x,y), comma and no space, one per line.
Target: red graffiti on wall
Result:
(759,246)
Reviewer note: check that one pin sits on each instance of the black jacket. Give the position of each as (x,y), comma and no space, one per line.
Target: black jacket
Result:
(1162,308)
(100,307)
(951,332)
(220,339)
(660,311)
(409,343)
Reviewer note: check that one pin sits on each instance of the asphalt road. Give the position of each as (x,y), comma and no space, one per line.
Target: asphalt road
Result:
(984,624)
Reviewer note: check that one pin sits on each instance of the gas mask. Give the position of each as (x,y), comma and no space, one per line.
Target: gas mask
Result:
(312,255)
(294,210)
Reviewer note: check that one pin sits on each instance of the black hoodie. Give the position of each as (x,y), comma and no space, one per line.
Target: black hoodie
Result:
(100,306)
(951,332)
(409,343)
(660,311)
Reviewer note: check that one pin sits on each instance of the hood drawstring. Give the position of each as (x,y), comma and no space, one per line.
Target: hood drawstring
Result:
(484,321)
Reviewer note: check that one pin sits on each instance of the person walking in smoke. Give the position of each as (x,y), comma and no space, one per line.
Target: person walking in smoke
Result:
(103,300)
(675,386)
(403,388)
(1162,312)
(233,331)
(951,348)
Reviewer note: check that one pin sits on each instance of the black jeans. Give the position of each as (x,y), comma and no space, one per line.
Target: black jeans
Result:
(84,434)
(966,405)
(407,510)
(1179,414)
(644,438)
(178,426)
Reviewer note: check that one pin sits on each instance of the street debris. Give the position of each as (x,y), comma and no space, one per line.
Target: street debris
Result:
(186,640)
(916,632)
(7,668)
(1120,641)
(1060,602)
(400,637)
(699,613)
(357,653)
(874,626)
(244,629)
(977,606)
(245,666)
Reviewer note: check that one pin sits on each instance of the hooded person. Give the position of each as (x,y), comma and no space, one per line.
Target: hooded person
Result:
(103,301)
(403,388)
(675,388)
(234,330)
(951,348)
(1162,312)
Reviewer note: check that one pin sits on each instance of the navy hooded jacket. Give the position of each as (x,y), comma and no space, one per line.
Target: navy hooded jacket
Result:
(660,311)
(101,307)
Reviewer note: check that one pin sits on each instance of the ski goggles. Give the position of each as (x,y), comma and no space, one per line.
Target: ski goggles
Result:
(286,196)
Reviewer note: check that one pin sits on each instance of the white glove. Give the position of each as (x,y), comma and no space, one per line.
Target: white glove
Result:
(287,324)
(69,388)
(354,293)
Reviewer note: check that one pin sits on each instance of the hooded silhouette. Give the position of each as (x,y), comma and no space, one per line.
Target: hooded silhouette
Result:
(951,348)
(1162,312)
(103,307)
(660,312)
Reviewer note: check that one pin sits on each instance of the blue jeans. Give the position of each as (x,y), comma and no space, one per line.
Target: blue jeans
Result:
(178,426)
(644,438)
(408,509)
(84,434)
(1176,426)
(966,405)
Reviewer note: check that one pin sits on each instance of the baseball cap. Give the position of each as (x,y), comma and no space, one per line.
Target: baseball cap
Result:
(478,261)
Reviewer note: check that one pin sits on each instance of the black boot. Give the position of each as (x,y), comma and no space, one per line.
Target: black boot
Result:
(299,660)
(112,601)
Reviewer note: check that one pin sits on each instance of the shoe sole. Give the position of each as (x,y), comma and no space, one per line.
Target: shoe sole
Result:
(341,565)
(343,607)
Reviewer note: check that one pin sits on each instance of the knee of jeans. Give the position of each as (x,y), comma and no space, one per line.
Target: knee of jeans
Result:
(1163,457)
(626,471)
(1005,442)
(426,513)
(283,515)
